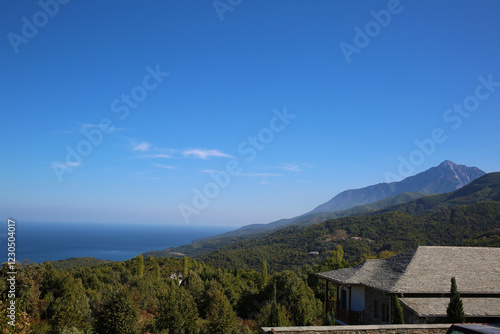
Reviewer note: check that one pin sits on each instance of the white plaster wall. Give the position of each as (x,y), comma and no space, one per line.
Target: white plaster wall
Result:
(358,298)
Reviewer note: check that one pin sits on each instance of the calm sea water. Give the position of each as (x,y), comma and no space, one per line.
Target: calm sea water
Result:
(40,242)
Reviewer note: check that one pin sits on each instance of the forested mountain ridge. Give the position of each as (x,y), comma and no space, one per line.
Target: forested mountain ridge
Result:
(207,245)
(432,178)
(486,188)
(443,178)
(456,218)
(314,218)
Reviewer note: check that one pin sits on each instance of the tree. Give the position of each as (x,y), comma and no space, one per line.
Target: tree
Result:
(298,298)
(177,311)
(221,316)
(140,265)
(398,317)
(334,261)
(264,273)
(185,267)
(194,284)
(71,309)
(263,318)
(455,310)
(118,315)
(157,272)
(275,318)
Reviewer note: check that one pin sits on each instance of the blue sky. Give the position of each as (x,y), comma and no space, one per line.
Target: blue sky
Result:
(284,103)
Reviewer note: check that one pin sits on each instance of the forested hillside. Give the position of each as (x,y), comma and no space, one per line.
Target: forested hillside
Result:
(211,244)
(361,237)
(448,219)
(446,177)
(165,295)
(247,283)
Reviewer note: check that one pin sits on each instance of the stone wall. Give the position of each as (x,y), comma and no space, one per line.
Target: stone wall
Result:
(382,299)
(365,329)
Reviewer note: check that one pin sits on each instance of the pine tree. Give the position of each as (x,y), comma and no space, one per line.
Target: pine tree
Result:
(455,310)
(118,315)
(177,311)
(157,271)
(264,273)
(185,267)
(298,298)
(221,316)
(275,318)
(140,265)
(196,287)
(398,317)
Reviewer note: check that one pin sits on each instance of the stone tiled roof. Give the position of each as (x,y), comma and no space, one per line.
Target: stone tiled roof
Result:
(427,269)
(436,307)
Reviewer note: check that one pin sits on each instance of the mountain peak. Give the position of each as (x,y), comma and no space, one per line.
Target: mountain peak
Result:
(447,163)
(446,177)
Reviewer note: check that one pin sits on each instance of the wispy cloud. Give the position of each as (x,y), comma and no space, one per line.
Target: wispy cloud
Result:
(90,125)
(209,171)
(290,167)
(100,126)
(164,166)
(143,172)
(142,147)
(159,155)
(162,154)
(205,154)
(260,174)
(293,167)
(267,183)
(68,164)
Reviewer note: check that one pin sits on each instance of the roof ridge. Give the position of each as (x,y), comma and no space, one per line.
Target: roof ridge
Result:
(427,269)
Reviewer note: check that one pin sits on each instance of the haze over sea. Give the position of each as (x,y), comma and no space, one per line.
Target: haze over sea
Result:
(40,242)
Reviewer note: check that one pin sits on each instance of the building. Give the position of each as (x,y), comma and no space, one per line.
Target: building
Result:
(421,278)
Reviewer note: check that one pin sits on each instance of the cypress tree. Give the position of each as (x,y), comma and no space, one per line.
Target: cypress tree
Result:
(185,267)
(264,273)
(398,317)
(140,265)
(275,317)
(157,271)
(455,310)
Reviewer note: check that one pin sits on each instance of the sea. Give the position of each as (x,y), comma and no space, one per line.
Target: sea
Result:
(39,242)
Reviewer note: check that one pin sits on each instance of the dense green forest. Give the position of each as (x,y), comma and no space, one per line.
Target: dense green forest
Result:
(210,244)
(393,231)
(159,295)
(456,218)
